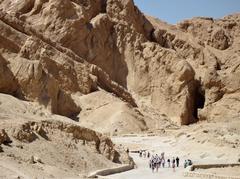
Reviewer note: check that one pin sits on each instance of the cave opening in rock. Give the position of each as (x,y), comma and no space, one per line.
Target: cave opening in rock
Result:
(199,100)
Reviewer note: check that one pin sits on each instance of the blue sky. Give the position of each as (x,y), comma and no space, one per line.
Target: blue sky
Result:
(173,11)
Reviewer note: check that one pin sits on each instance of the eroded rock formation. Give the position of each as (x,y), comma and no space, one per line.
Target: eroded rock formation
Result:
(30,131)
(57,47)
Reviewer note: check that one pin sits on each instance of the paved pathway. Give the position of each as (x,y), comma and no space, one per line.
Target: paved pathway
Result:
(144,172)
(154,145)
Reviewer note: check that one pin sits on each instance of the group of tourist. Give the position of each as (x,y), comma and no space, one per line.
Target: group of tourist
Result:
(157,161)
(187,163)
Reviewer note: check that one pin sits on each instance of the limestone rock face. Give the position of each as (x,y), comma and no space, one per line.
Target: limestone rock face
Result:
(106,113)
(7,81)
(58,47)
(178,93)
(42,73)
(36,83)
(220,40)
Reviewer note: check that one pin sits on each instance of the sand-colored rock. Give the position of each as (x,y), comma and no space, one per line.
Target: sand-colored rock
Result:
(109,67)
(179,69)
(220,40)
(4,138)
(28,132)
(62,145)
(106,83)
(110,115)
(7,81)
(42,56)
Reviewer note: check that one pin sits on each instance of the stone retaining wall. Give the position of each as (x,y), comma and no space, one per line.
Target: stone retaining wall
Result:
(110,171)
(208,175)
(192,173)
(207,166)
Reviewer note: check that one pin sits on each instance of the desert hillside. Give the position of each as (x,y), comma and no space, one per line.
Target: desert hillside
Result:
(73,72)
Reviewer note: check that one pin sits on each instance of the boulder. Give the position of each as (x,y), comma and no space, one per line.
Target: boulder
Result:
(4,138)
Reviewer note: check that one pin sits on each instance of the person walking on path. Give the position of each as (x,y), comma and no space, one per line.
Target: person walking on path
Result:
(157,162)
(150,163)
(163,162)
(168,160)
(154,163)
(173,164)
(177,161)
(144,154)
(148,155)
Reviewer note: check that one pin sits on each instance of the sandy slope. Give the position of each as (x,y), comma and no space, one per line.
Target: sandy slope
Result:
(106,113)
(61,155)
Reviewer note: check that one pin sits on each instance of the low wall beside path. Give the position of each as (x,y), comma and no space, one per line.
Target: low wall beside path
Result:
(207,166)
(110,171)
(192,173)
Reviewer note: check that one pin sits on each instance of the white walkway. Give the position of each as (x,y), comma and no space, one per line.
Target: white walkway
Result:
(144,172)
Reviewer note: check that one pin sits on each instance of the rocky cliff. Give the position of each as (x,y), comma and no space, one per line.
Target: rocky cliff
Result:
(187,72)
